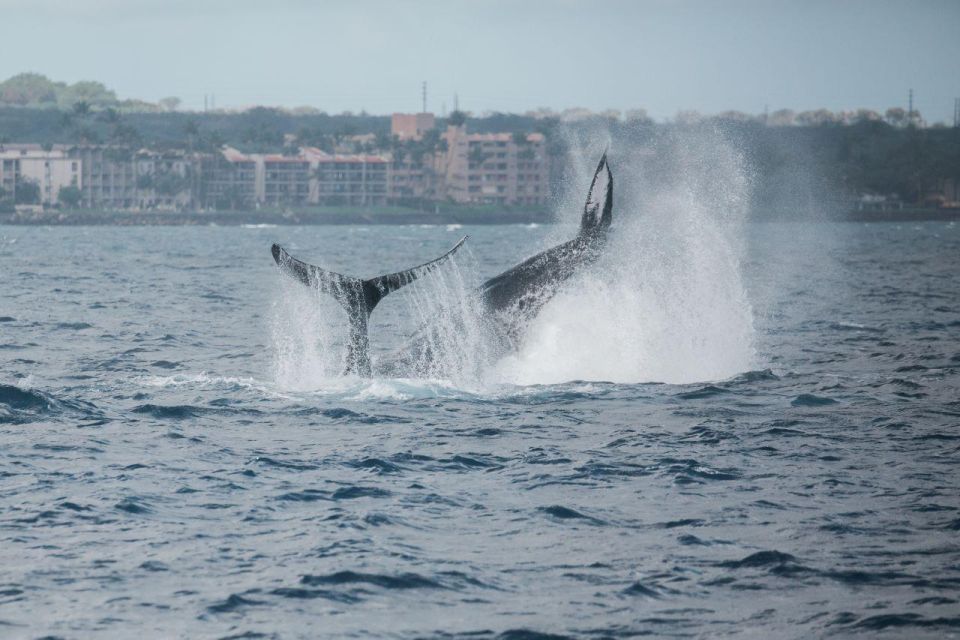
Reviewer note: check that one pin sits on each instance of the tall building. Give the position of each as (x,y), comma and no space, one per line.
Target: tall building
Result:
(109,177)
(230,180)
(353,180)
(9,172)
(49,168)
(476,168)
(421,166)
(496,168)
(166,181)
(286,180)
(408,126)
(233,180)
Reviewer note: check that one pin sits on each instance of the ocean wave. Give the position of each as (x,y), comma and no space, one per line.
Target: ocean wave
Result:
(384,581)
(21,403)
(183,412)
(203,380)
(559,512)
(811,400)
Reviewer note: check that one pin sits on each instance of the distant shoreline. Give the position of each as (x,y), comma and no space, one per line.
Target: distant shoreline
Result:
(905,215)
(239,218)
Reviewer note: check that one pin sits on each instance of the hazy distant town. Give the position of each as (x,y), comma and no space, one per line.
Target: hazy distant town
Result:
(69,149)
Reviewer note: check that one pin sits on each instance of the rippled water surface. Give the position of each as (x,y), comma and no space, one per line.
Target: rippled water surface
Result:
(176,459)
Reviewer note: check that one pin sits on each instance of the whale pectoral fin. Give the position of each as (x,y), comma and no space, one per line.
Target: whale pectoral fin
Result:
(598,210)
(390,282)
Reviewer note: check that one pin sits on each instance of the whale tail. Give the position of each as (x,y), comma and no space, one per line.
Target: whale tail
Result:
(598,209)
(358,297)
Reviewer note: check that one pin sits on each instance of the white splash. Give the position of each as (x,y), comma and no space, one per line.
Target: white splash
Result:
(456,345)
(309,331)
(667,303)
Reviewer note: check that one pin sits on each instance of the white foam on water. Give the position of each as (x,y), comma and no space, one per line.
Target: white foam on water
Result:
(401,389)
(204,380)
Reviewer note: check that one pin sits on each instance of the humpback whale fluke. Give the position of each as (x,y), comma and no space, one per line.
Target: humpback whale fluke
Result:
(358,297)
(598,210)
(509,299)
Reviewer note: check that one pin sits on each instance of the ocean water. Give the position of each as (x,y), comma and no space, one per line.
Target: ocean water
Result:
(724,429)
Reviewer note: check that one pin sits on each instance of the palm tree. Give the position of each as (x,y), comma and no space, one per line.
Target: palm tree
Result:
(477,156)
(192,131)
(398,154)
(81,108)
(383,141)
(110,115)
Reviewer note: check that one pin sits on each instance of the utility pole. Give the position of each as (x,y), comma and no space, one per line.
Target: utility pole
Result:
(956,113)
(910,110)
(424,97)
(456,102)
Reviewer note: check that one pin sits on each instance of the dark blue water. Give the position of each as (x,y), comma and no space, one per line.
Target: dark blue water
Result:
(165,471)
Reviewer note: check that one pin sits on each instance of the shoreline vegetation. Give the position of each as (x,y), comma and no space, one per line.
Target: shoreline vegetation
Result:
(164,165)
(402,216)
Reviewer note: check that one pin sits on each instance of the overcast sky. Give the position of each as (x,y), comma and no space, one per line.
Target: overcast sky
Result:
(661,55)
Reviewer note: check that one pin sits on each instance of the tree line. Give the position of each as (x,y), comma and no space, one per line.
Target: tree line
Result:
(860,153)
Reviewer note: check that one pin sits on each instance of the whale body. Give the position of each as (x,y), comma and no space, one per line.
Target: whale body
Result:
(508,301)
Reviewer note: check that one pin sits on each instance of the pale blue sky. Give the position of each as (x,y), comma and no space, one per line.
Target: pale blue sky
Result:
(661,55)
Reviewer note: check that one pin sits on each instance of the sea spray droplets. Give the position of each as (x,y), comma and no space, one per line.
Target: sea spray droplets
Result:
(308,335)
(667,301)
(441,313)
(451,340)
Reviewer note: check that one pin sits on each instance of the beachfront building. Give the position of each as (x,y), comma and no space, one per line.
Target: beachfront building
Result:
(105,177)
(416,168)
(351,180)
(286,180)
(9,172)
(496,168)
(413,179)
(235,180)
(470,168)
(409,126)
(420,166)
(47,167)
(230,180)
(109,177)
(166,181)
(117,178)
